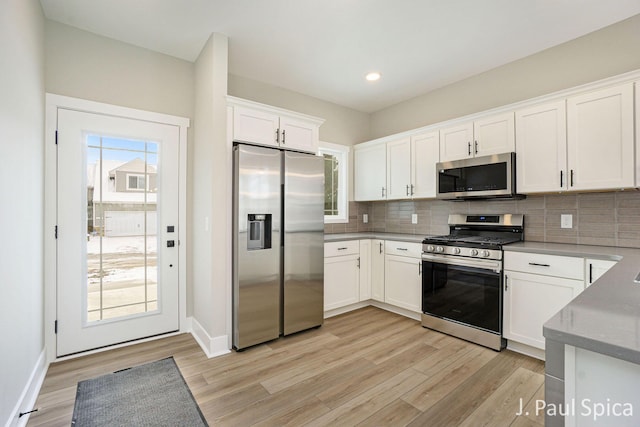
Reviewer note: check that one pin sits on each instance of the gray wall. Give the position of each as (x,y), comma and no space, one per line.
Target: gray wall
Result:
(607,52)
(21,192)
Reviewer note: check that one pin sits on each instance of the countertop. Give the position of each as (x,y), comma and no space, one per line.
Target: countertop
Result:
(339,237)
(605,317)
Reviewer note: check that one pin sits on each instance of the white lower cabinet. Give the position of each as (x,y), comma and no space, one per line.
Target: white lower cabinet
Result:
(402,275)
(594,268)
(341,274)
(377,270)
(365,270)
(536,287)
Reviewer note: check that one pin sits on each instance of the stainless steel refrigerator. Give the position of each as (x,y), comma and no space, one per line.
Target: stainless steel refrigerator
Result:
(278,245)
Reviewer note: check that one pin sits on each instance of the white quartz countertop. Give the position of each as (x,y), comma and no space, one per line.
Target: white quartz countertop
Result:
(605,317)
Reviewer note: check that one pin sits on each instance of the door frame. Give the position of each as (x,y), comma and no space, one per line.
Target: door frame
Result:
(53,103)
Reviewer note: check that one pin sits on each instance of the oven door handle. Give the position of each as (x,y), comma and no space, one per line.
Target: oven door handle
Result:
(495,266)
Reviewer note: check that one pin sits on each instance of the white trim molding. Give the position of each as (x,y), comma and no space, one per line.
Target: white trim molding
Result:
(29,395)
(212,346)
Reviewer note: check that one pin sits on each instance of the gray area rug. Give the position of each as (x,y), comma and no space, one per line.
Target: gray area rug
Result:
(154,394)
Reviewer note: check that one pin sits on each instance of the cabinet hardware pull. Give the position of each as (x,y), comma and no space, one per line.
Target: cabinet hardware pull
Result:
(506,283)
(561,176)
(539,265)
(590,273)
(412,189)
(402,249)
(382,191)
(469,145)
(380,247)
(341,249)
(278,136)
(358,262)
(407,190)
(476,145)
(283,135)
(419,268)
(572,177)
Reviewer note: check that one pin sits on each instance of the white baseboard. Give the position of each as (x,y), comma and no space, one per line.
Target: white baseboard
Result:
(212,346)
(527,350)
(345,309)
(30,393)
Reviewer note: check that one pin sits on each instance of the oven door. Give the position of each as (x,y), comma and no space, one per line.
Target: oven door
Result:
(464,290)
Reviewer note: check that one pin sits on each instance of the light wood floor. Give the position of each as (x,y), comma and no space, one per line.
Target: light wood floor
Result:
(368,367)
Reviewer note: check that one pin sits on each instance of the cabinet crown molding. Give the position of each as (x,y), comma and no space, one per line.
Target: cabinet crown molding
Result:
(233,101)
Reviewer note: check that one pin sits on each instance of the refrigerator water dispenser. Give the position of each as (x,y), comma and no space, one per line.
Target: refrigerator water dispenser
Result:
(258,231)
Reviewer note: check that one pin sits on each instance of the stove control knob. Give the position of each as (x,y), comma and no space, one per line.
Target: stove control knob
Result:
(485,253)
(439,249)
(431,248)
(474,252)
(456,250)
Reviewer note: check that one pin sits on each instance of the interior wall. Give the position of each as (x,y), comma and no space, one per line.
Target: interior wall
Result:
(211,244)
(610,51)
(21,192)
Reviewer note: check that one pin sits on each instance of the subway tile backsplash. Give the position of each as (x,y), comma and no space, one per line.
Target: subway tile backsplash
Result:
(606,219)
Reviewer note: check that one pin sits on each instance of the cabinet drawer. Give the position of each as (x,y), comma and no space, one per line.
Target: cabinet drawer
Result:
(403,248)
(548,265)
(347,247)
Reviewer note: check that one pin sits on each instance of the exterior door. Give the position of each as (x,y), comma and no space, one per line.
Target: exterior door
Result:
(117,230)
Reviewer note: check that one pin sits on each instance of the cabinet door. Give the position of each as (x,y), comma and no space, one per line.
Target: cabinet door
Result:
(456,142)
(594,268)
(370,172)
(541,148)
(403,284)
(600,139)
(399,169)
(341,281)
(377,270)
(257,127)
(494,135)
(530,300)
(365,270)
(425,153)
(298,135)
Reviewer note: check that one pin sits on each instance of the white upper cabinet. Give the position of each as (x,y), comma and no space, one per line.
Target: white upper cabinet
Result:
(399,169)
(600,139)
(370,172)
(264,125)
(482,137)
(494,135)
(255,126)
(541,148)
(456,142)
(409,170)
(425,153)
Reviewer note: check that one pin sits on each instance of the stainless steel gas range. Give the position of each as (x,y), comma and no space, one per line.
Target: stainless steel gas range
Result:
(462,277)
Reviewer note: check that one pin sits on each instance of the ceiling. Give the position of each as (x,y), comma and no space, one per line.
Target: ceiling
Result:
(324,48)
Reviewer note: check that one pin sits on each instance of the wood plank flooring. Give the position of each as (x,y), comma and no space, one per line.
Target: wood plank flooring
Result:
(364,368)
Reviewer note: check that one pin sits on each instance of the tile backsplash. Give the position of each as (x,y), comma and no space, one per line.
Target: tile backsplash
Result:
(608,219)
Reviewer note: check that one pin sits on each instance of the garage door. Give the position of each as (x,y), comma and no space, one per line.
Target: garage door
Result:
(129,223)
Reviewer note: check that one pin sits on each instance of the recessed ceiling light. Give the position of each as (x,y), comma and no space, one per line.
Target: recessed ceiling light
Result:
(373,76)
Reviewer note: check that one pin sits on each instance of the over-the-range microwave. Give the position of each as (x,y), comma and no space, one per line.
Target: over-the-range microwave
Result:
(484,177)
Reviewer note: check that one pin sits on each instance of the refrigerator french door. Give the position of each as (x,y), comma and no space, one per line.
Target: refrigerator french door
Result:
(278,244)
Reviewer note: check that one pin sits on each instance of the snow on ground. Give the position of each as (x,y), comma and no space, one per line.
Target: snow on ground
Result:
(124,244)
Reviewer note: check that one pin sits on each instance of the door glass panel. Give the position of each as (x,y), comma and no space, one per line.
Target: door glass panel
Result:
(122,277)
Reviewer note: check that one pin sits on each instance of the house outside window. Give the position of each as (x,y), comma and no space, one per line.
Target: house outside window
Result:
(336,173)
